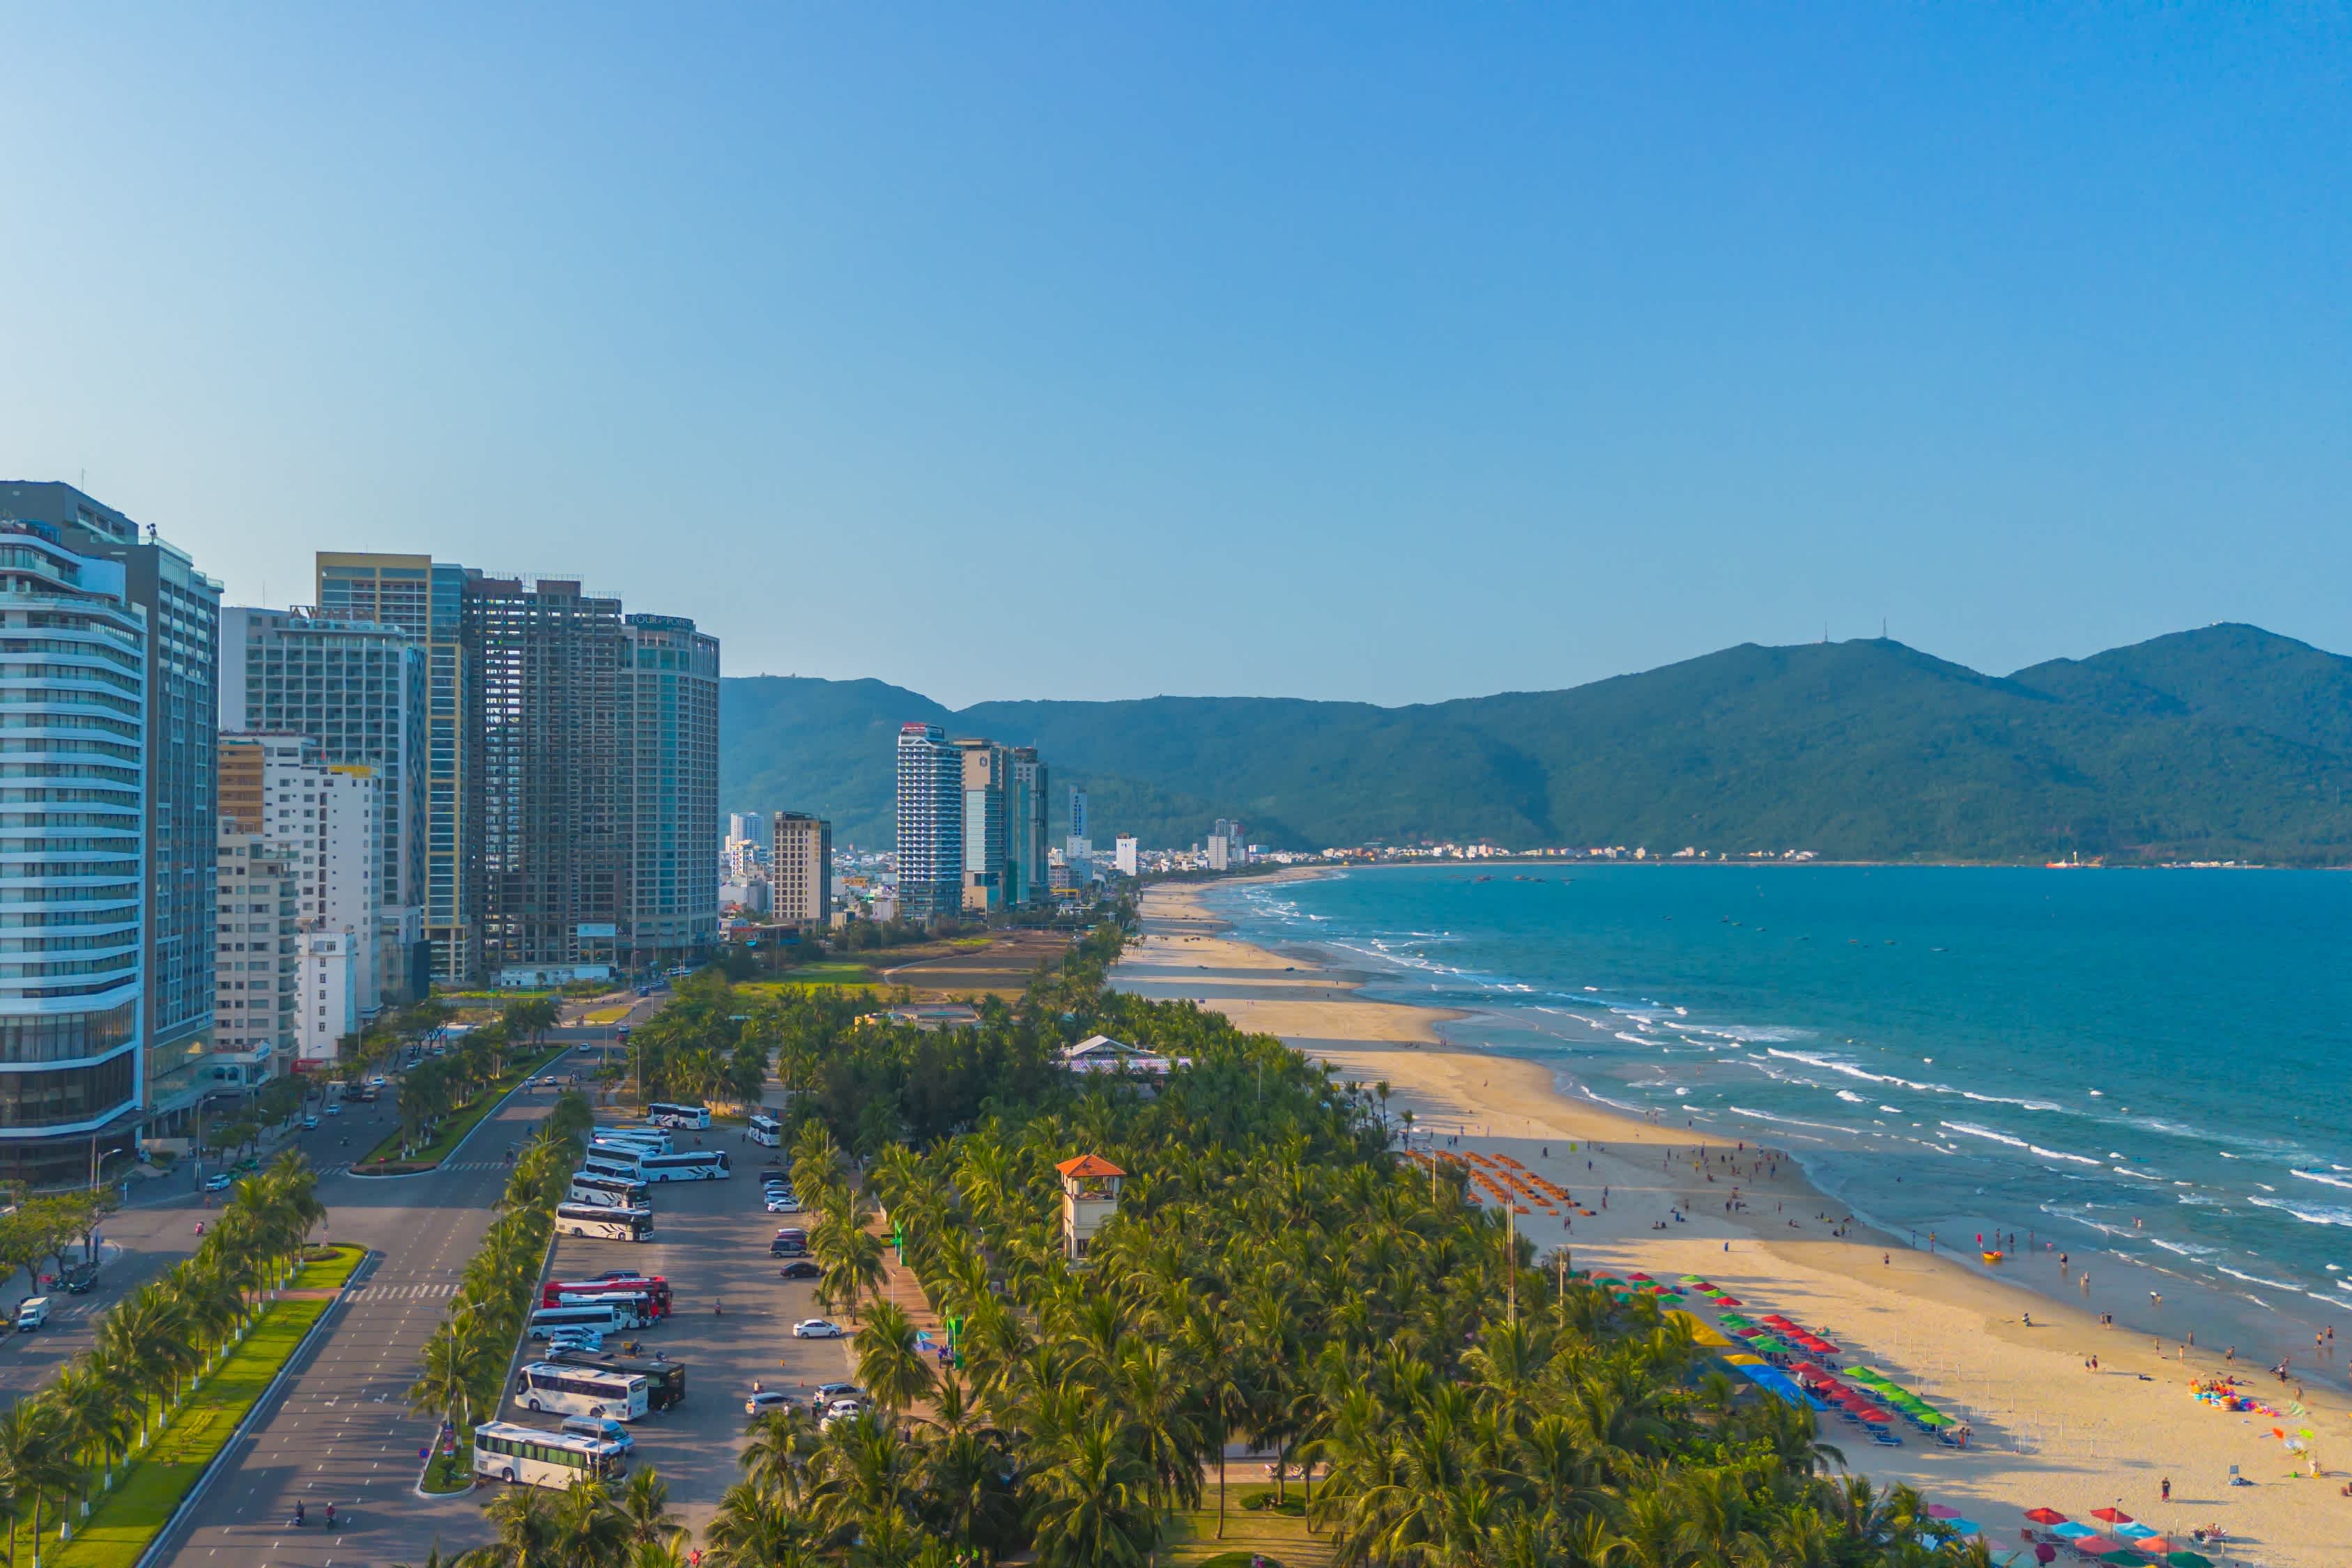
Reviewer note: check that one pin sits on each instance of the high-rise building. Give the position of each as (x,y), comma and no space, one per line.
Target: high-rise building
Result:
(987,770)
(358,689)
(73,691)
(181,619)
(1123,852)
(750,826)
(930,823)
(800,870)
(1026,881)
(326,822)
(548,708)
(425,599)
(595,778)
(257,951)
(670,710)
(1079,829)
(1227,846)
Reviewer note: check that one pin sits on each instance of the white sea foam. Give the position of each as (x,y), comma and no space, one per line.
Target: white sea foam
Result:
(2308,1214)
(1892,1109)
(1971,1129)
(2256,1279)
(1849,1095)
(2142,1176)
(2185,1249)
(1783,1121)
(2330,1180)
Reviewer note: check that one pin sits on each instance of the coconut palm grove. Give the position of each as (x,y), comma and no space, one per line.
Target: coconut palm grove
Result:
(1432,1393)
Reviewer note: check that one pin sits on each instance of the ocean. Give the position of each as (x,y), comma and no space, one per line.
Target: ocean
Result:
(2150,1069)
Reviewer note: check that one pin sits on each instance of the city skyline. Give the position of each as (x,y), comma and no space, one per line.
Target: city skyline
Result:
(2018,333)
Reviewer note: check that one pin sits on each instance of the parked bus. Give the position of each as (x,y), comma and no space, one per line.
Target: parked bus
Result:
(691,1118)
(528,1457)
(654,1138)
(634,1307)
(543,1385)
(604,1318)
(650,1285)
(604,1222)
(765,1131)
(612,1192)
(664,1380)
(686,1165)
(615,1161)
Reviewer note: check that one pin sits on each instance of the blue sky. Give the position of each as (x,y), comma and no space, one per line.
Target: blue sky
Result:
(1369,352)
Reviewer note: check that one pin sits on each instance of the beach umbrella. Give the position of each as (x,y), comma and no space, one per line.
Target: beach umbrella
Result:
(2098,1545)
(1938,1510)
(1691,1280)
(2074,1532)
(1965,1526)
(1639,1279)
(1727,1301)
(2189,1560)
(2134,1530)
(2111,1515)
(2046,1516)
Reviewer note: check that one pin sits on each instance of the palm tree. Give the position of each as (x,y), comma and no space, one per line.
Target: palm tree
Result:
(36,1462)
(644,1506)
(590,1532)
(526,1533)
(755,1529)
(888,1362)
(1092,1504)
(97,1417)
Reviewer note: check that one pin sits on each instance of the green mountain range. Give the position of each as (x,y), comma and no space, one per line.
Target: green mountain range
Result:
(2230,743)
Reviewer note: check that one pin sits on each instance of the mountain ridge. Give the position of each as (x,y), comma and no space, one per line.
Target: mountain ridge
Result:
(2226,743)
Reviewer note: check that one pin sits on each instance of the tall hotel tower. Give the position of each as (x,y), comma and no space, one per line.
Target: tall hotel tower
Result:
(930,823)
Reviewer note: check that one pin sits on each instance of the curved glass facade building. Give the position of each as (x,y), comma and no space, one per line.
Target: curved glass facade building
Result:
(73,748)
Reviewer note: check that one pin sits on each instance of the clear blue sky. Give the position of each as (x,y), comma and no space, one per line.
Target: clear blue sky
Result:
(1091,351)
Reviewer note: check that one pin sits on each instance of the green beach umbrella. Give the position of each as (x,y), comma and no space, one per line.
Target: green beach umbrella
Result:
(2190,1560)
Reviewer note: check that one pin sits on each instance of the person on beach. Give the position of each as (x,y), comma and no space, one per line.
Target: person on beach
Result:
(2164,1488)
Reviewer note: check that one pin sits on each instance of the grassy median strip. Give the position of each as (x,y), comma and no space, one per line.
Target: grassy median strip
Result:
(328,1268)
(122,1522)
(459,1122)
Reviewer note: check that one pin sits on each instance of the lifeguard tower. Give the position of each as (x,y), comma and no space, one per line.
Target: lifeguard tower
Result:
(1089,1196)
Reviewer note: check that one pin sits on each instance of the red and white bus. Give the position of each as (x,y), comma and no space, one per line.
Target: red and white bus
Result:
(654,1288)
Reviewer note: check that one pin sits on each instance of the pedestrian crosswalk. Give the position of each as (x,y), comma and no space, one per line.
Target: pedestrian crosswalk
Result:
(397,1291)
(345,1165)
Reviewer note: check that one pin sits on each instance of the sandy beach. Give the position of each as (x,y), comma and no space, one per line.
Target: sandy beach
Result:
(2050,1431)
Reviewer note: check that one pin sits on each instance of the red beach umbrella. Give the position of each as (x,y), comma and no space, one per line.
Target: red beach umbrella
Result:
(2111,1515)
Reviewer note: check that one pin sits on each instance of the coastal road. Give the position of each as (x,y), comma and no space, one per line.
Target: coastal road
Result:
(341,1429)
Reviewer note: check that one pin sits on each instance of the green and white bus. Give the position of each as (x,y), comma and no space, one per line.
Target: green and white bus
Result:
(525,1456)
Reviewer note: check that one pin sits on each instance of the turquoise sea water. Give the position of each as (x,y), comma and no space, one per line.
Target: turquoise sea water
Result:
(2151,1070)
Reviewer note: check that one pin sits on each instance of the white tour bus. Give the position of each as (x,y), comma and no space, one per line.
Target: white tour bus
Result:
(653,1138)
(580,1391)
(688,1165)
(612,1192)
(610,1318)
(633,1307)
(620,1158)
(528,1457)
(604,1222)
(765,1131)
(692,1117)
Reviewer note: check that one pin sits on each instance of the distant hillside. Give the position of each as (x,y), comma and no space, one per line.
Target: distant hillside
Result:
(2225,743)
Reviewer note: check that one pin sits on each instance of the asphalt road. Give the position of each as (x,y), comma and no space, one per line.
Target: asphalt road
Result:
(340,1430)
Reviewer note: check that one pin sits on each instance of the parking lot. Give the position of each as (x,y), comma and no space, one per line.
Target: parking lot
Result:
(731,1323)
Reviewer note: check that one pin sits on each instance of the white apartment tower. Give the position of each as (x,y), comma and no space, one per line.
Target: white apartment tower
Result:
(930,823)
(1124,851)
(257,965)
(800,870)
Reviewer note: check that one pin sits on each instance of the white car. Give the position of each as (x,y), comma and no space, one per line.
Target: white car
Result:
(817,1329)
(587,1339)
(766,1399)
(378,1081)
(785,1205)
(219,1181)
(309,1122)
(336,1108)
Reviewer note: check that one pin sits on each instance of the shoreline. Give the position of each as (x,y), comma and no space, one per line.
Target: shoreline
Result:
(2049,1430)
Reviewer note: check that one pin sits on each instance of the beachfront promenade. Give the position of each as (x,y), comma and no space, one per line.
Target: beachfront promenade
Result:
(2049,1430)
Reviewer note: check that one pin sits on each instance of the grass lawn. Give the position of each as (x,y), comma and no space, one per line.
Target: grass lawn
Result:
(1193,1537)
(825,971)
(611,1015)
(443,1479)
(460,1123)
(121,1526)
(326,1268)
